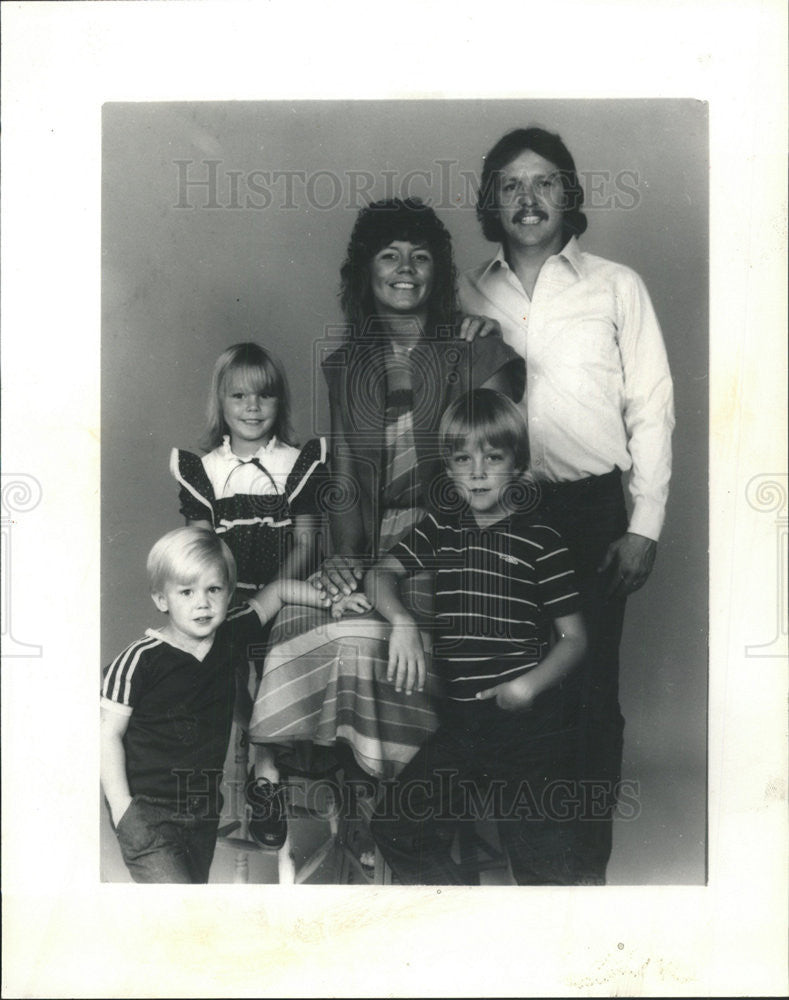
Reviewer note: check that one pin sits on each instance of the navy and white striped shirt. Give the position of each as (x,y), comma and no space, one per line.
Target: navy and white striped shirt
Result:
(498,590)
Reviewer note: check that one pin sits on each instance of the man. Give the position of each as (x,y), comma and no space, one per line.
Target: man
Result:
(598,402)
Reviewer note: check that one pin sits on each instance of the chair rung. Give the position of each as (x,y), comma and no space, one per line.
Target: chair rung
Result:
(224,831)
(245,845)
(301,812)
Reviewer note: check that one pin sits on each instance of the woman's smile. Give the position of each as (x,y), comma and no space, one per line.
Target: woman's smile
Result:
(401,278)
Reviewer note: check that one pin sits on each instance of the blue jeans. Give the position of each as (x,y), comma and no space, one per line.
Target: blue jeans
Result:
(162,842)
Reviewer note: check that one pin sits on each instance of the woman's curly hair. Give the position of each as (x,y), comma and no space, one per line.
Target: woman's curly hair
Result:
(378,225)
(546,144)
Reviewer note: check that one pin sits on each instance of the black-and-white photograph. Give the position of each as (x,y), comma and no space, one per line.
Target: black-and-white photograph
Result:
(426,382)
(394,499)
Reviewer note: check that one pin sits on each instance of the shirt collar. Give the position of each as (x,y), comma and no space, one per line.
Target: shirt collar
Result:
(230,456)
(469,522)
(570,252)
(498,262)
(198,653)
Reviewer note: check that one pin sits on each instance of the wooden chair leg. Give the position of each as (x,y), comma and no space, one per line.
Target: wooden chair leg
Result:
(241,870)
(240,825)
(286,863)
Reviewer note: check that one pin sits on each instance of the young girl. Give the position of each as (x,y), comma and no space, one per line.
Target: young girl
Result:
(257,491)
(255,488)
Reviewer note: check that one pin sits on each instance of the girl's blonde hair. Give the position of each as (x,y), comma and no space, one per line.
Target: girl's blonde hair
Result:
(258,371)
(182,554)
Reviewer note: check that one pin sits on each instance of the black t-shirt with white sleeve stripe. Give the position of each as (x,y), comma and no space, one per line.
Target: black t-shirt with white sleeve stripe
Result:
(180,708)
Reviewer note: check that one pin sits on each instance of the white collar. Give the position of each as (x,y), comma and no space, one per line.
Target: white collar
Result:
(570,252)
(201,650)
(229,455)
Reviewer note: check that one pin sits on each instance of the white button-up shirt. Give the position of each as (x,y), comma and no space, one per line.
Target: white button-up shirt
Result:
(598,391)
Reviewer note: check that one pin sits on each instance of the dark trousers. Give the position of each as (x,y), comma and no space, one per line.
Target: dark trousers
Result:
(162,842)
(484,762)
(590,514)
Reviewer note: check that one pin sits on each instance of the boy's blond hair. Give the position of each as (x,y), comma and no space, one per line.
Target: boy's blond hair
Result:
(181,555)
(485,416)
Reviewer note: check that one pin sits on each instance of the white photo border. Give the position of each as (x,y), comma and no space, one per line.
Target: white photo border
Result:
(68,935)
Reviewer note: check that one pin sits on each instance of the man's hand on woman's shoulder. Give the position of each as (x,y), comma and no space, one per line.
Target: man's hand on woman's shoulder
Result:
(477,326)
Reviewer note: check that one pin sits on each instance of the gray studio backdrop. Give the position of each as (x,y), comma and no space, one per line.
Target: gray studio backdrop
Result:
(229,221)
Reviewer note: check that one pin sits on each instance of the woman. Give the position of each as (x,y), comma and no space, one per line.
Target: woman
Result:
(389,383)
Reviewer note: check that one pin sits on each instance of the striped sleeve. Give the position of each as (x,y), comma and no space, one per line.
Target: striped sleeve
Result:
(418,549)
(248,636)
(124,677)
(556,579)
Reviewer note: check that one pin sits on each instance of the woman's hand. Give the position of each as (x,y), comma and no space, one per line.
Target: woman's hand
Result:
(340,575)
(406,668)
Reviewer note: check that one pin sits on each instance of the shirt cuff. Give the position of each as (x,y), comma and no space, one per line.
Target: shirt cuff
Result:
(116,706)
(647,519)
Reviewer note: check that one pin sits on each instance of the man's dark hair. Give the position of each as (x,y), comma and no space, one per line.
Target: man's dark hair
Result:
(546,144)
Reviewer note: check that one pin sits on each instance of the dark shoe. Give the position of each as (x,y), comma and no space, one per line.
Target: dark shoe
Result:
(268,826)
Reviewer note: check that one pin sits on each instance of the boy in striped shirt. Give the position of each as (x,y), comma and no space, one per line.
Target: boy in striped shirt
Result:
(167,705)
(508,635)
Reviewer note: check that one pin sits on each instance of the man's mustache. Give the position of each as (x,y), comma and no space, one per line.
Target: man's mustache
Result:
(523,213)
